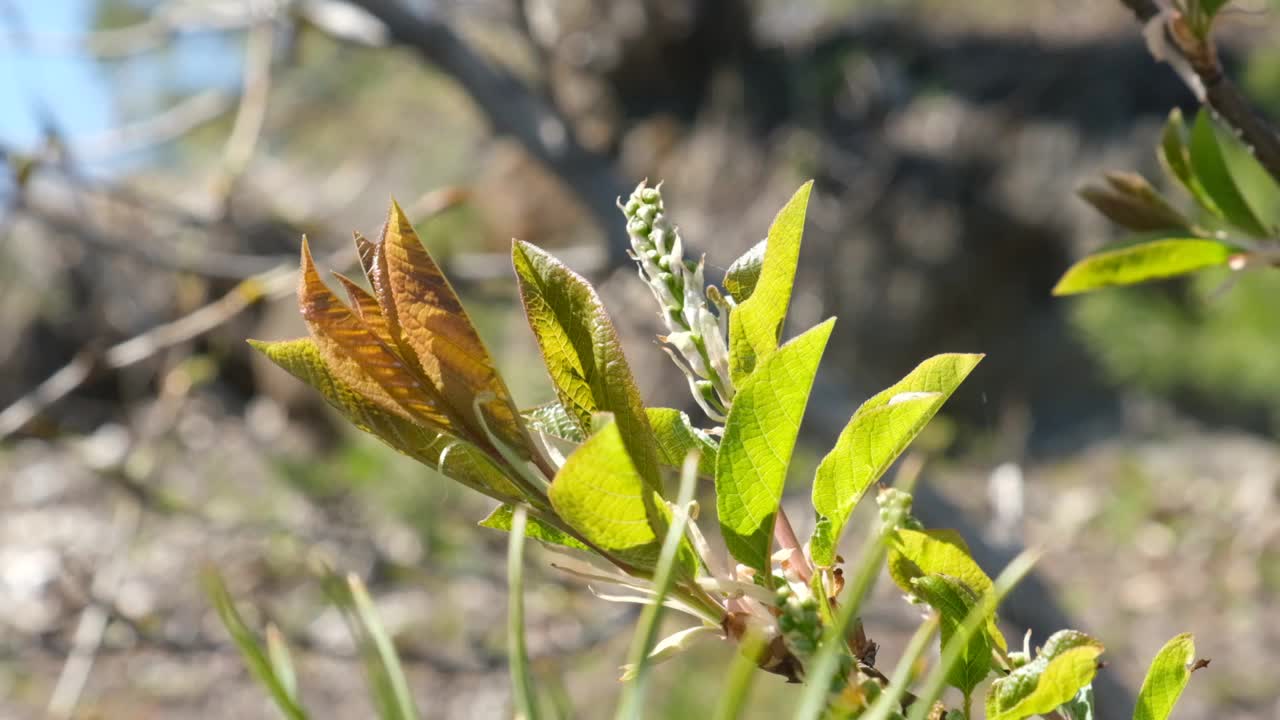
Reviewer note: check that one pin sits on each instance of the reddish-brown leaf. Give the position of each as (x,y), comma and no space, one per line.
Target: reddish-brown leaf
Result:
(360,359)
(435,329)
(366,308)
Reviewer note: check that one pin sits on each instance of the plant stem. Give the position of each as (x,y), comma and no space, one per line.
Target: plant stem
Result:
(786,537)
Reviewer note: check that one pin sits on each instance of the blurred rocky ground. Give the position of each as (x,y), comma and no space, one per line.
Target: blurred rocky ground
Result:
(946,147)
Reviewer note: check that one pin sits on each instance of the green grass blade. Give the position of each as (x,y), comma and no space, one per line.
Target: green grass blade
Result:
(733,694)
(973,623)
(386,652)
(632,701)
(281,661)
(255,657)
(526,701)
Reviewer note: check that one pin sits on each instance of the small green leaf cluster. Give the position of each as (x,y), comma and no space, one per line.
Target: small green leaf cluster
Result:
(1234,220)
(589,476)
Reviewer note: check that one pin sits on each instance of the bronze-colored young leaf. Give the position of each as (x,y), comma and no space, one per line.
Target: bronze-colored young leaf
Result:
(358,358)
(582,352)
(435,329)
(456,459)
(367,309)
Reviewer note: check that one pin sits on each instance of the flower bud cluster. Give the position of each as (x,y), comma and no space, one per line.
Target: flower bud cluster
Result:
(895,510)
(696,337)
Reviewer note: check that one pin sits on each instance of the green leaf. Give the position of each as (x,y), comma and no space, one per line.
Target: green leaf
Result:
(501,519)
(676,436)
(1145,261)
(873,439)
(741,277)
(454,458)
(551,419)
(759,436)
(1166,678)
(1079,707)
(1256,186)
(1210,166)
(755,325)
(256,658)
(919,553)
(582,352)
(1176,159)
(1068,662)
(953,600)
(602,495)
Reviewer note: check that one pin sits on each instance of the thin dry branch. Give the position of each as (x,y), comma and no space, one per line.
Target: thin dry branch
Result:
(1216,89)
(512,109)
(275,283)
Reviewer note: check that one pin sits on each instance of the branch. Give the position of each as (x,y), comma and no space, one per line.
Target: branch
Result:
(276,283)
(513,110)
(1216,89)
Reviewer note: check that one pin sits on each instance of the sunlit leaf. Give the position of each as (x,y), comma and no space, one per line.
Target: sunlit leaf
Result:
(1068,662)
(1166,678)
(741,277)
(582,352)
(450,456)
(1142,262)
(501,519)
(755,325)
(676,436)
(601,494)
(953,600)
(875,436)
(919,553)
(759,436)
(1210,166)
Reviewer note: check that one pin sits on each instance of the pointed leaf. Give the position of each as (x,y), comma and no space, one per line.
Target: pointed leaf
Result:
(501,519)
(360,360)
(1133,264)
(1067,663)
(435,329)
(755,325)
(450,456)
(873,439)
(601,494)
(741,277)
(759,436)
(582,352)
(1175,156)
(1257,188)
(918,553)
(1210,166)
(676,436)
(953,600)
(1166,678)
(366,308)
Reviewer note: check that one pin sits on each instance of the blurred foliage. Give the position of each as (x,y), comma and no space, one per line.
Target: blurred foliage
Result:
(1190,340)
